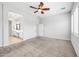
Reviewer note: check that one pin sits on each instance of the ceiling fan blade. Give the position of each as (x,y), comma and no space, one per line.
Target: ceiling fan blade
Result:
(42,12)
(41,4)
(35,11)
(33,7)
(46,9)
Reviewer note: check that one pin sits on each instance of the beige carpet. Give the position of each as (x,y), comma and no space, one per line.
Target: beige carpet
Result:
(40,47)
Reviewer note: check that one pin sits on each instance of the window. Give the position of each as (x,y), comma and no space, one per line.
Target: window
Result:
(74,22)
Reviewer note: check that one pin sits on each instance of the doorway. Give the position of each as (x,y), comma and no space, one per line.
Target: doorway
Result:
(15,27)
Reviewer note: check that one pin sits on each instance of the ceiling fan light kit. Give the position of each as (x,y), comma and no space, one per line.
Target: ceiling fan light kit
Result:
(40,8)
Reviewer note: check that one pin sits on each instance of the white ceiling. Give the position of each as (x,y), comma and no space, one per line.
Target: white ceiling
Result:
(14,16)
(55,8)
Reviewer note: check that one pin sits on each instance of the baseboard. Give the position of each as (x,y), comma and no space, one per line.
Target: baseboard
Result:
(56,38)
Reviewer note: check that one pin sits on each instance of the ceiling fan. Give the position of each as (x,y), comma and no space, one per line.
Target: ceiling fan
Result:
(40,8)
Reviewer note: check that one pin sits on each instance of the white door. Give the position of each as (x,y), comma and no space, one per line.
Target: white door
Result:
(40,29)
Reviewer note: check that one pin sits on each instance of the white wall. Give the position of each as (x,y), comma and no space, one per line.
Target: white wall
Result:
(5,25)
(0,24)
(29,27)
(57,26)
(75,43)
(40,29)
(29,21)
(75,39)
